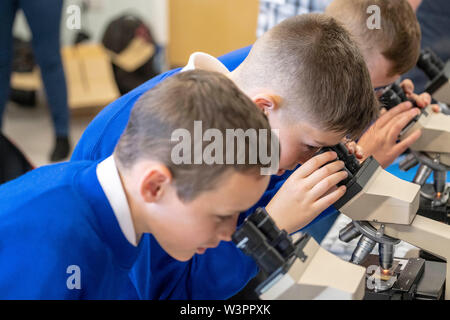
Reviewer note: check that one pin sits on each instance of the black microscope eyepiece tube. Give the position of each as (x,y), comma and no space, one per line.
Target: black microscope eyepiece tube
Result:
(401,94)
(352,164)
(254,244)
(279,239)
(399,91)
(263,222)
(393,97)
(390,99)
(430,63)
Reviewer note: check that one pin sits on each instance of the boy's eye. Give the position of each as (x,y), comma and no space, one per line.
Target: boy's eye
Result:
(312,148)
(223,218)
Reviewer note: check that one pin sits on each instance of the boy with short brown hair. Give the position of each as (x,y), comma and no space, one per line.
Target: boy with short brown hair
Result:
(396,39)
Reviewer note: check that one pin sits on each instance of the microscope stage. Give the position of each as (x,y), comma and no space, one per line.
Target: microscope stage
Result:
(410,278)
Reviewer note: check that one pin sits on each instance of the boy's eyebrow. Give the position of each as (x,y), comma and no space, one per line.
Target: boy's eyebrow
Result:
(320,144)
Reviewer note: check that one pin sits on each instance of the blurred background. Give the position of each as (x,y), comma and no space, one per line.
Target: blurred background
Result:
(109,47)
(94,51)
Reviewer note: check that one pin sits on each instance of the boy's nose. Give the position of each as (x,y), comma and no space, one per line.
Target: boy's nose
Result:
(226,233)
(226,237)
(228,229)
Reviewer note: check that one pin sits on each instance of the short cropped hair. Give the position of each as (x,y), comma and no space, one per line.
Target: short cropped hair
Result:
(398,38)
(311,60)
(175,104)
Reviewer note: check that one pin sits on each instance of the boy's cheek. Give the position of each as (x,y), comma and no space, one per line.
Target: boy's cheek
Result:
(306,156)
(288,159)
(189,240)
(179,248)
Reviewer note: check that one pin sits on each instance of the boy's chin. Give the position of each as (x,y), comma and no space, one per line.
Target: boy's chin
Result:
(182,256)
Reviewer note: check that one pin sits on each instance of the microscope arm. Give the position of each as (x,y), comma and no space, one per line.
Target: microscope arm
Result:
(435,134)
(427,234)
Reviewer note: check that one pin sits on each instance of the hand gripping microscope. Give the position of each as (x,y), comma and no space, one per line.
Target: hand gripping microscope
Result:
(431,151)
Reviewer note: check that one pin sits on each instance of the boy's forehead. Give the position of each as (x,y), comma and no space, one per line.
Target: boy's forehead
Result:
(235,191)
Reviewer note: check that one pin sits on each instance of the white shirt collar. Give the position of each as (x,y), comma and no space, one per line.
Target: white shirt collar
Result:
(204,61)
(109,179)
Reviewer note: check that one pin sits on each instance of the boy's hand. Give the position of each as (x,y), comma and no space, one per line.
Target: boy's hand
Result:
(307,192)
(355,149)
(422,100)
(380,140)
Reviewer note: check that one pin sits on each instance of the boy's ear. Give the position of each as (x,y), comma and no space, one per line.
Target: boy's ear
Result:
(154,182)
(267,102)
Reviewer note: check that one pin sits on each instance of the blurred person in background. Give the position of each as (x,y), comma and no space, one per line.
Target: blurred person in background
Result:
(272,12)
(433,17)
(43,17)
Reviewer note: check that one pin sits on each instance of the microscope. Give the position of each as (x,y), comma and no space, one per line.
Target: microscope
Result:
(431,152)
(383,209)
(297,270)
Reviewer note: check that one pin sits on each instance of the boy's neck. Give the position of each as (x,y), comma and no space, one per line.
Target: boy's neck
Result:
(239,81)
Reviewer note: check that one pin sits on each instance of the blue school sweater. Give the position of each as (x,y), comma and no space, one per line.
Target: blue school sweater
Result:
(59,238)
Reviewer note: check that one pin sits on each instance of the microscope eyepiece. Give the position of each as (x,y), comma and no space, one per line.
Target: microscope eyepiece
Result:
(260,238)
(352,164)
(390,99)
(430,63)
(253,243)
(393,96)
